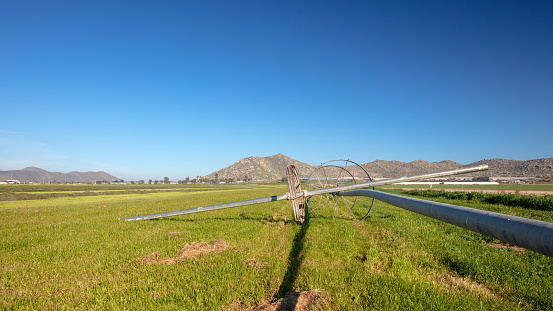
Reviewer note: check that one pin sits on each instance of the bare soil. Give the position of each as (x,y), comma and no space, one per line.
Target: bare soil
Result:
(296,301)
(190,250)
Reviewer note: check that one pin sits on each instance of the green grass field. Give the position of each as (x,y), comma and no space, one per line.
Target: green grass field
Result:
(536,187)
(72,251)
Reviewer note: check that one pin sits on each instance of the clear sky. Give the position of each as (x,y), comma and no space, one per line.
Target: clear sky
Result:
(148,89)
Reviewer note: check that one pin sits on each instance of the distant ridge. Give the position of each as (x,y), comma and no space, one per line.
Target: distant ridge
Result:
(272,168)
(38,175)
(382,168)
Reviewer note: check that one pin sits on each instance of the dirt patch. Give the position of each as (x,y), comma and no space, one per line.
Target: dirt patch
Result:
(296,301)
(509,246)
(190,250)
(150,258)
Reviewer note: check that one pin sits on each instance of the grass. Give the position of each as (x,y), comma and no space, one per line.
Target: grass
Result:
(534,202)
(37,192)
(74,252)
(535,187)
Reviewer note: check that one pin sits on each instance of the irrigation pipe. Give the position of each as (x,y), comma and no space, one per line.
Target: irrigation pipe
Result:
(531,234)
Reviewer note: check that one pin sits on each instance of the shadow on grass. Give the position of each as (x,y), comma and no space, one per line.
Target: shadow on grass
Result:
(461,267)
(295,259)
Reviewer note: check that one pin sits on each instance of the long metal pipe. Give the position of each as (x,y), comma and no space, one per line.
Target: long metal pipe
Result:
(396,180)
(528,233)
(309,193)
(210,208)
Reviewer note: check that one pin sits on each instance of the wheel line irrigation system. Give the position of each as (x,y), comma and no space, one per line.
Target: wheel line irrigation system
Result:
(531,234)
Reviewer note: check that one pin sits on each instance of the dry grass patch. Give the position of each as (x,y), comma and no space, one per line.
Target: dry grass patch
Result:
(509,246)
(174,234)
(190,250)
(253,262)
(294,301)
(455,283)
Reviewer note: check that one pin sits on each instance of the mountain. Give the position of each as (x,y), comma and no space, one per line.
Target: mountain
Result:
(269,168)
(497,167)
(38,175)
(273,168)
(528,168)
(382,168)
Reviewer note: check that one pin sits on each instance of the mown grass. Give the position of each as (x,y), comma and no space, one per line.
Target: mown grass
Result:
(76,253)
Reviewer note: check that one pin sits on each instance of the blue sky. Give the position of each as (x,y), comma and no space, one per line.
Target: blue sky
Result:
(147,89)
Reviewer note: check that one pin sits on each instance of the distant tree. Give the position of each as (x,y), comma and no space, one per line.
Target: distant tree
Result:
(165,180)
(149,182)
(141,182)
(132,182)
(187,179)
(156,182)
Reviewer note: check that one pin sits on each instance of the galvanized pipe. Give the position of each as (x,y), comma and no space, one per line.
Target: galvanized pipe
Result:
(531,234)
(309,193)
(210,207)
(395,180)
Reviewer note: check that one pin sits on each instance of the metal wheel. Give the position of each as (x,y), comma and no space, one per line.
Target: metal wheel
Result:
(294,186)
(332,174)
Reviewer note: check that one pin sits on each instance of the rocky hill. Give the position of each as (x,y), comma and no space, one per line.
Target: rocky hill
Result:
(273,168)
(37,175)
(390,169)
(529,168)
(269,168)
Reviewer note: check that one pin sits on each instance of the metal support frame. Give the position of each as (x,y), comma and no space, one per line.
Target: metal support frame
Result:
(528,233)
